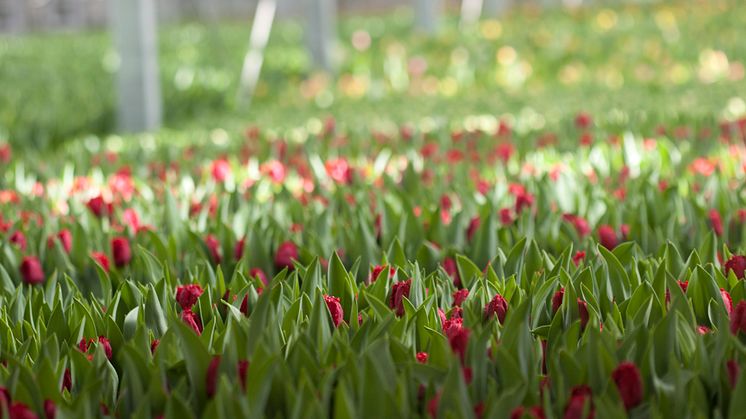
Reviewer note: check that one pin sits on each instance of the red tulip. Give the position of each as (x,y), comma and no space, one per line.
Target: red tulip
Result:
(579,257)
(99,207)
(498,306)
(211,378)
(733,371)
(335,309)
(65,238)
(583,120)
(190,318)
(5,153)
(286,253)
(120,250)
(449,265)
(18,239)
(187,295)
(104,342)
(473,226)
(629,383)
(523,200)
(458,338)
(50,409)
(259,273)
(101,259)
(583,312)
(213,246)
(422,357)
(737,265)
(31,270)
(220,170)
(715,222)
(580,397)
(727,301)
(238,250)
(19,410)
(459,297)
(536,412)
(557,298)
(738,318)
(506,217)
(398,292)
(243,371)
(607,237)
(432,406)
(4,397)
(580,224)
(154,345)
(67,380)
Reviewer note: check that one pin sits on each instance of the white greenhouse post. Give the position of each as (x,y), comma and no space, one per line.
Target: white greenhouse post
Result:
(252,62)
(495,8)
(321,32)
(17,16)
(134,28)
(427,15)
(470,11)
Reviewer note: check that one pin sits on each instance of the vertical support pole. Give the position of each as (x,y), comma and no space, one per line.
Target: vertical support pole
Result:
(321,32)
(17,21)
(495,8)
(252,62)
(427,15)
(134,27)
(470,11)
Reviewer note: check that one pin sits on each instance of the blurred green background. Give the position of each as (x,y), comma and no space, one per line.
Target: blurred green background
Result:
(625,63)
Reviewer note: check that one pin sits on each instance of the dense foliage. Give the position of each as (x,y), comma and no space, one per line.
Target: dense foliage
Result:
(409,272)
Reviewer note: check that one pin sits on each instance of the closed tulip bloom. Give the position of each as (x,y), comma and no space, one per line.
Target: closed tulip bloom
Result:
(101,259)
(498,306)
(738,318)
(557,298)
(737,265)
(211,378)
(120,250)
(460,296)
(31,270)
(286,253)
(398,292)
(191,319)
(213,246)
(607,237)
(335,309)
(187,295)
(18,239)
(629,383)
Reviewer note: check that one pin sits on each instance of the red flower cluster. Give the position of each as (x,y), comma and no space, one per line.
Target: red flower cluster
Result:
(84,345)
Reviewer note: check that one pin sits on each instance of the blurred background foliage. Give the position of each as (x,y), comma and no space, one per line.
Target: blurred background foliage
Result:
(627,63)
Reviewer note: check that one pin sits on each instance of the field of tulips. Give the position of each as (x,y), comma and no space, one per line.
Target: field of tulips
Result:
(420,270)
